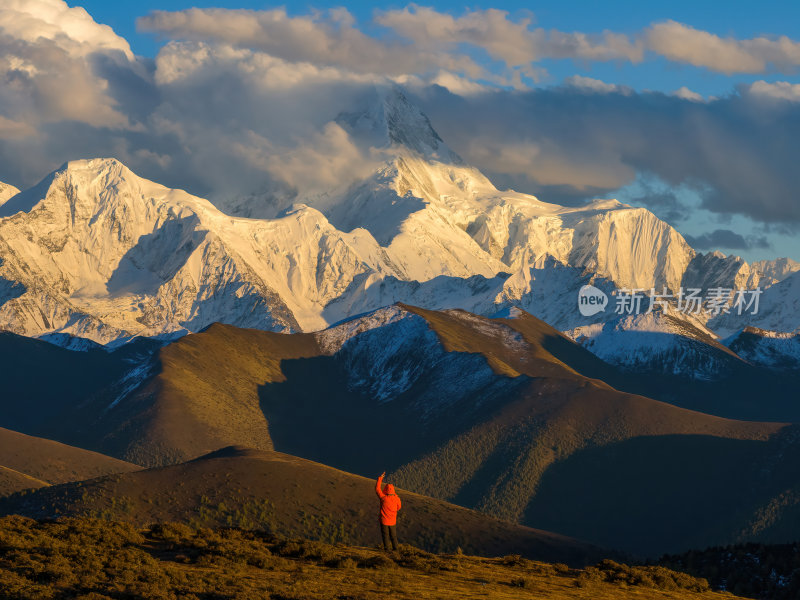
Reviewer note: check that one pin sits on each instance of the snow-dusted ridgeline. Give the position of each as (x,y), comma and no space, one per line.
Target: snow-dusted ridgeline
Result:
(95,251)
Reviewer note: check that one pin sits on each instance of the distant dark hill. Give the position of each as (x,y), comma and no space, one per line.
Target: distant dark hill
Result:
(211,389)
(42,382)
(290,496)
(506,416)
(31,462)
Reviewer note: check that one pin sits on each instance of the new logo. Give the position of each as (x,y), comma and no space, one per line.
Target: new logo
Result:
(591,300)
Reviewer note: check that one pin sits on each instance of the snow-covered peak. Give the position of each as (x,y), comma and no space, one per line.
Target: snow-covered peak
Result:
(86,188)
(658,342)
(777,269)
(6,192)
(772,349)
(409,127)
(715,269)
(95,250)
(778,310)
(390,121)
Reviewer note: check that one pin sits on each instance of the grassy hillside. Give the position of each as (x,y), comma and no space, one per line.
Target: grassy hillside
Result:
(200,394)
(256,489)
(528,449)
(31,462)
(100,560)
(13,481)
(506,416)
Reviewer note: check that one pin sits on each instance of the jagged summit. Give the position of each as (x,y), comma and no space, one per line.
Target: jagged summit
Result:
(7,191)
(96,251)
(777,269)
(390,121)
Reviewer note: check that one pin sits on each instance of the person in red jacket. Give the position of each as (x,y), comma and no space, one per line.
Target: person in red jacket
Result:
(390,504)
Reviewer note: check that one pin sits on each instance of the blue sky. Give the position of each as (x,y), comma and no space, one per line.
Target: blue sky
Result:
(737,18)
(690,109)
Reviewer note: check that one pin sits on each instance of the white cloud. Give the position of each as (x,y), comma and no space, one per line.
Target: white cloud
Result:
(595,85)
(326,161)
(513,42)
(72,29)
(247,101)
(685,93)
(323,39)
(431,41)
(782,90)
(458,85)
(546,163)
(14,129)
(49,58)
(682,43)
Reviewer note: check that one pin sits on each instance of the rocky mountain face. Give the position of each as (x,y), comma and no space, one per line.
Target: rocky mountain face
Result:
(777,269)
(98,253)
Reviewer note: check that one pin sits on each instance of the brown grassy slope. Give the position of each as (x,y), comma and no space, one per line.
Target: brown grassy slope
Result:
(547,352)
(558,414)
(495,458)
(99,560)
(45,462)
(537,459)
(204,396)
(13,481)
(488,449)
(289,496)
(744,391)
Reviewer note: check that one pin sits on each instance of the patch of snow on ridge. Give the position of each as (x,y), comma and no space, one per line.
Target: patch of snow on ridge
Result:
(332,339)
(388,352)
(132,380)
(385,353)
(511,339)
(772,349)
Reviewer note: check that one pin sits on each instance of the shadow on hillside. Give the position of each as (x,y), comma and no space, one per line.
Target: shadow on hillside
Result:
(651,495)
(317,413)
(10,290)
(143,269)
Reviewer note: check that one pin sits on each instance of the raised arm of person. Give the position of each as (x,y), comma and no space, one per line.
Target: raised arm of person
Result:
(379,486)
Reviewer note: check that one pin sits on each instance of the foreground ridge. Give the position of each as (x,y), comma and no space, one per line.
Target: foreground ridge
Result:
(99,559)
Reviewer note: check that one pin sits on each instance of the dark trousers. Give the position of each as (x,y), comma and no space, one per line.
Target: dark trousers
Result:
(389,532)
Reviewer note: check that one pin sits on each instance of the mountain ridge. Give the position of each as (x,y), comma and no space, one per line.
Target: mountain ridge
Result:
(98,253)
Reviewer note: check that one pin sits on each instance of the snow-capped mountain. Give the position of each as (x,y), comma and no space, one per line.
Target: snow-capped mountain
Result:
(777,269)
(658,343)
(778,310)
(714,269)
(766,348)
(6,192)
(97,252)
